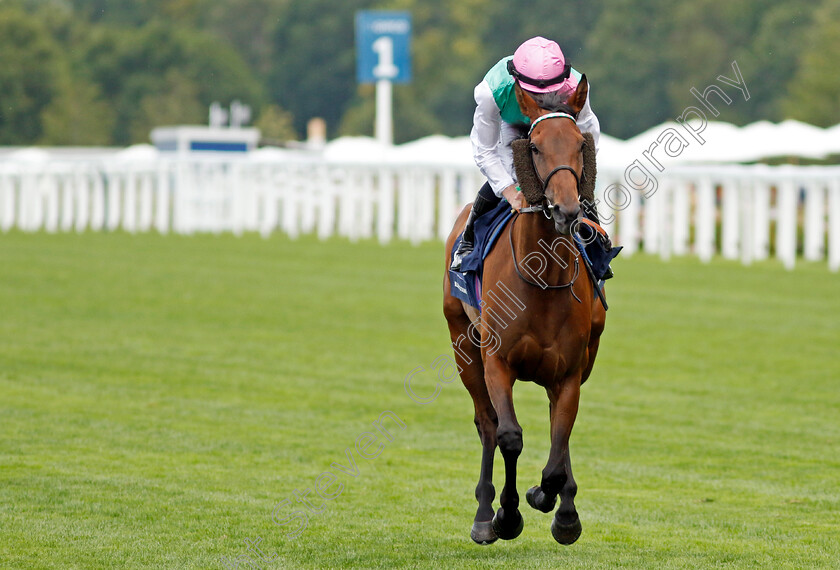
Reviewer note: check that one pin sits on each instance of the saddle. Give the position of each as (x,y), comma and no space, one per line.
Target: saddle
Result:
(466,284)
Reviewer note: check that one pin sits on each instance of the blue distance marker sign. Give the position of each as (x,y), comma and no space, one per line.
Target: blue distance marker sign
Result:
(383,46)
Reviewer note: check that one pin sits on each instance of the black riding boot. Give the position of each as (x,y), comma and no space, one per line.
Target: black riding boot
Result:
(481,206)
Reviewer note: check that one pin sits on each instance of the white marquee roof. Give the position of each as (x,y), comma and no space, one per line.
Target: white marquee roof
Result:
(723,143)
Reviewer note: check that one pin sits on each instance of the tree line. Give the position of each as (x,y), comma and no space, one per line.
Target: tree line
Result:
(104,72)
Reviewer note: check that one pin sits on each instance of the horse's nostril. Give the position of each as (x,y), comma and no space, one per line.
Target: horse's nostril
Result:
(565,213)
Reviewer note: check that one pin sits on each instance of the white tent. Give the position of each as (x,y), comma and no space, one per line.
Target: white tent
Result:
(722,143)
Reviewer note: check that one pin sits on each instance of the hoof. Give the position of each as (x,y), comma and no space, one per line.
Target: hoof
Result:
(536,498)
(482,533)
(566,533)
(506,531)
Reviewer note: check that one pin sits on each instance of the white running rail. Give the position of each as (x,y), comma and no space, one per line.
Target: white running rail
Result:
(739,212)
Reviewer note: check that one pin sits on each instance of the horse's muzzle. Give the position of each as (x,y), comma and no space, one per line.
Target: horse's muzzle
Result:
(564,218)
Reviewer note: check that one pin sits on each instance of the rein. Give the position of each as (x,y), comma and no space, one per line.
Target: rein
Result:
(528,281)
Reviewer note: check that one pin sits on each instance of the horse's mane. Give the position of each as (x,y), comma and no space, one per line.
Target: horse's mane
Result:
(563,108)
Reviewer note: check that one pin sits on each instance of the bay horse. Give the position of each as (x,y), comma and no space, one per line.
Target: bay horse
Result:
(540,328)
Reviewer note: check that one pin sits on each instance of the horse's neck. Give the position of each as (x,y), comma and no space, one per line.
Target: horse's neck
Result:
(537,241)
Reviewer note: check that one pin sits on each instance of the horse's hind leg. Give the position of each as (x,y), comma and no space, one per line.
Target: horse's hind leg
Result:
(485,421)
(468,358)
(557,476)
(499,378)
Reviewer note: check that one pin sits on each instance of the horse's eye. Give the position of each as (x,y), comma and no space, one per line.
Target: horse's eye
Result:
(534,149)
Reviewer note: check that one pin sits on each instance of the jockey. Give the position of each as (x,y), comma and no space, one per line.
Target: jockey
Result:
(541,69)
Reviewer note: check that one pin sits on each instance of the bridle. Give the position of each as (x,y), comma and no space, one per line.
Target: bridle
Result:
(546,207)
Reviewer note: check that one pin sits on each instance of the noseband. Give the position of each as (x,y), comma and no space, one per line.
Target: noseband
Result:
(541,207)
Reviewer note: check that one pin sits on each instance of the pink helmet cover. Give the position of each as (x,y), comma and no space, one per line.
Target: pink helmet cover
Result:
(540,67)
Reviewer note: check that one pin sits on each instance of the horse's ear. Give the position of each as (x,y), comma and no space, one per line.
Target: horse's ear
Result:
(578,98)
(527,104)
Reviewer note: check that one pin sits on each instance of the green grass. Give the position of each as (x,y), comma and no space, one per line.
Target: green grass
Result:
(160,395)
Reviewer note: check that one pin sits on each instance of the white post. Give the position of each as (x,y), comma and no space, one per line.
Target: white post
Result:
(786,213)
(680,218)
(347,202)
(270,214)
(384,112)
(747,229)
(28,201)
(97,212)
(146,201)
(628,226)
(181,213)
(366,196)
(211,199)
(651,227)
(385,206)
(113,194)
(814,221)
(343,201)
(729,220)
(446,203)
(82,200)
(129,218)
(253,194)
(326,204)
(761,220)
(287,197)
(50,185)
(225,191)
(68,202)
(202,201)
(303,185)
(239,188)
(666,219)
(405,188)
(834,225)
(162,200)
(7,191)
(425,206)
(704,243)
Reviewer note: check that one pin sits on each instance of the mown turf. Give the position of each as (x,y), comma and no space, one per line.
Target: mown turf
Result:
(160,395)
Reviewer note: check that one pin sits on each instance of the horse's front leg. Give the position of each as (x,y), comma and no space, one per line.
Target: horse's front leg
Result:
(557,478)
(499,377)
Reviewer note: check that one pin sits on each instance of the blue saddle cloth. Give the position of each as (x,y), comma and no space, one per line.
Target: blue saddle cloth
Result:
(467,285)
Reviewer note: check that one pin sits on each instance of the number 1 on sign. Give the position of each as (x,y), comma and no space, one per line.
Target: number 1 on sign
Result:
(384,48)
